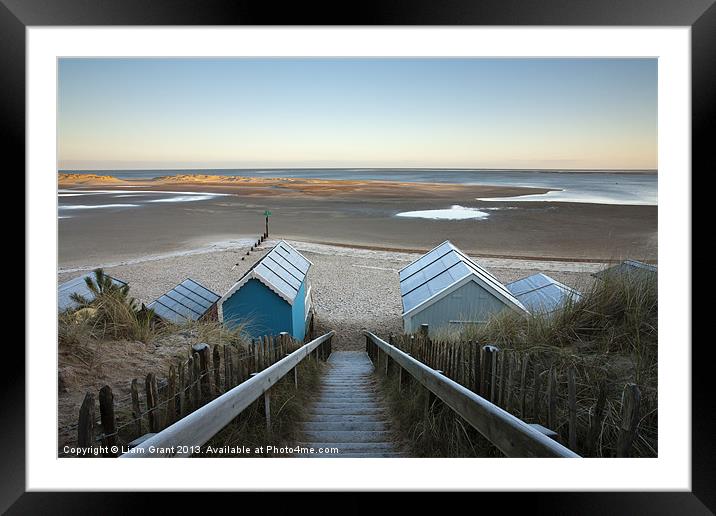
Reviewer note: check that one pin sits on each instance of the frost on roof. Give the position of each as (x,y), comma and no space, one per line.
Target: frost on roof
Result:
(440,268)
(541,294)
(283,269)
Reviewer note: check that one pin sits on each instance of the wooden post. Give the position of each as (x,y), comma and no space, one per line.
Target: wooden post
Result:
(189,387)
(228,382)
(631,401)
(239,366)
(216,362)
(489,368)
(171,410)
(195,379)
(85,425)
(205,381)
(295,377)
(476,367)
(572,405)
(523,386)
(267,411)
(452,361)
(260,355)
(150,387)
(493,373)
(536,394)
(109,423)
(458,362)
(429,398)
(424,331)
(284,344)
(181,386)
(595,420)
(552,400)
(508,387)
(254,356)
(136,408)
(501,397)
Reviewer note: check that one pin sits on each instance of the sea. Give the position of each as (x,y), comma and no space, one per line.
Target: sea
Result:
(593,186)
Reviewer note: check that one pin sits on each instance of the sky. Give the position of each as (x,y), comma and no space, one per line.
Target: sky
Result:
(537,113)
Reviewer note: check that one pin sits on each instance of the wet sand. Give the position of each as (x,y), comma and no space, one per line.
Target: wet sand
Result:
(354,213)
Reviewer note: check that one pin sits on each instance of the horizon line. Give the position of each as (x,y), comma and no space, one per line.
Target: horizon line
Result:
(60,170)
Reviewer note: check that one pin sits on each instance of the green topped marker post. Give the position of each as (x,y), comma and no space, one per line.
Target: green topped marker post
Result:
(267,214)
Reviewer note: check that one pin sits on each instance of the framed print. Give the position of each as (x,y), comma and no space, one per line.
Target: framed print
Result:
(414,250)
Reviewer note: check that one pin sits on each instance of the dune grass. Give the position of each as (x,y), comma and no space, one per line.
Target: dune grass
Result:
(287,409)
(111,313)
(429,427)
(608,337)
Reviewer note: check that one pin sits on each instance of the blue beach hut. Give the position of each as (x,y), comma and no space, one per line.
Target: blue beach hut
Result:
(273,296)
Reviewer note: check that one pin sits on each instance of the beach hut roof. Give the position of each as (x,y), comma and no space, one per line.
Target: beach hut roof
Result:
(438,271)
(188,301)
(283,270)
(78,286)
(627,267)
(541,294)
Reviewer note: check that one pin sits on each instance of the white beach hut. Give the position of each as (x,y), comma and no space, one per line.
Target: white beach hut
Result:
(447,290)
(541,294)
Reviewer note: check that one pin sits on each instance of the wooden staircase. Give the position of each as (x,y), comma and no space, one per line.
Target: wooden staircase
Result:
(348,417)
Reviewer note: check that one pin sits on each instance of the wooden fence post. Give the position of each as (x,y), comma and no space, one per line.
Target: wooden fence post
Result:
(171,410)
(489,366)
(631,401)
(552,400)
(501,396)
(572,401)
(508,388)
(85,425)
(228,381)
(190,399)
(536,395)
(523,386)
(205,381)
(216,362)
(424,328)
(267,411)
(196,378)
(284,344)
(477,367)
(136,408)
(182,389)
(263,344)
(429,398)
(150,387)
(109,423)
(595,420)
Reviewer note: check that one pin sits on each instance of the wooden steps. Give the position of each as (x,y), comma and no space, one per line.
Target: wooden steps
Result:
(348,417)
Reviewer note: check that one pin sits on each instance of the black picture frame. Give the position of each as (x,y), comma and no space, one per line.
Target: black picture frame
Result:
(700,15)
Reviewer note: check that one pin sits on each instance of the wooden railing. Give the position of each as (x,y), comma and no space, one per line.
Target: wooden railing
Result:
(509,434)
(184,437)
